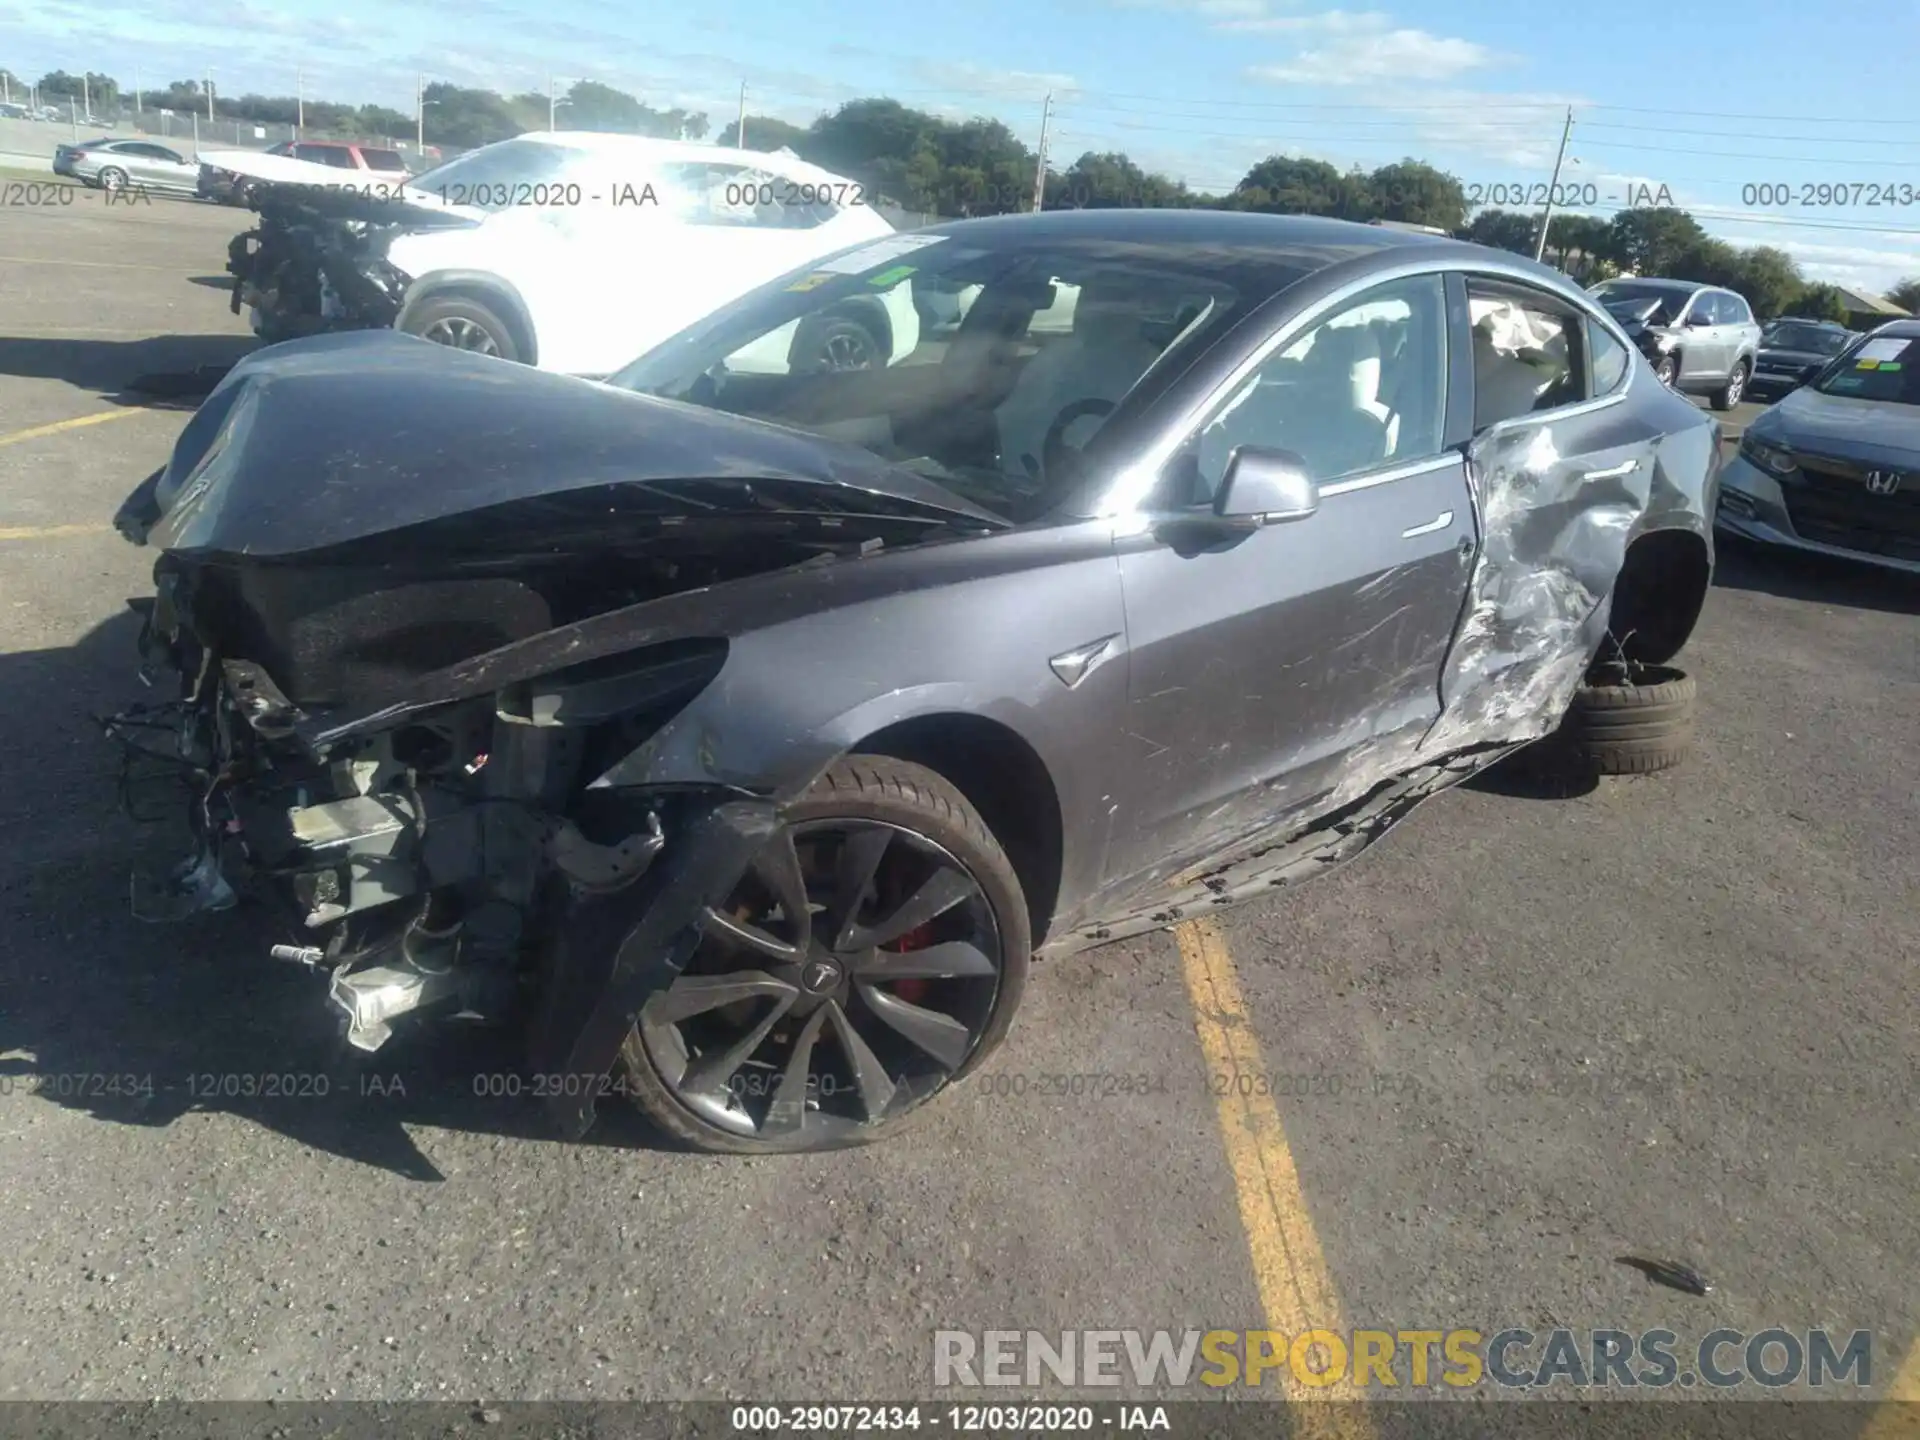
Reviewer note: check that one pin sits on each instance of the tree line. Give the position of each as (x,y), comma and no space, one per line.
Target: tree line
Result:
(931,165)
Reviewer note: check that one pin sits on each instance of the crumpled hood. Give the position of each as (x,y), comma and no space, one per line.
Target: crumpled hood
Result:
(1871,431)
(319,442)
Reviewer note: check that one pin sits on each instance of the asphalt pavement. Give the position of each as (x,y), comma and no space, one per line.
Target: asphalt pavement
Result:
(1520,1039)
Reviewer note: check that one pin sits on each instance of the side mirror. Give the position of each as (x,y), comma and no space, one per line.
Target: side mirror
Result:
(1265,487)
(1696,320)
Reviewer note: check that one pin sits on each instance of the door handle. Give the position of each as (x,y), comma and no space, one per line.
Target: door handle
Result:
(1613,473)
(1444,519)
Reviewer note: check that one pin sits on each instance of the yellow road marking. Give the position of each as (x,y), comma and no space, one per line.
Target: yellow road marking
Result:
(85,264)
(50,532)
(1898,1415)
(1296,1290)
(79,422)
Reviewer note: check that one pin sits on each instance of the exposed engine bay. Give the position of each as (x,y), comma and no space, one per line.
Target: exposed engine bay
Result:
(317,261)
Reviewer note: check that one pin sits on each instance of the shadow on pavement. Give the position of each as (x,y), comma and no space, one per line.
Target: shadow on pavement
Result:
(1819,579)
(137,1024)
(111,368)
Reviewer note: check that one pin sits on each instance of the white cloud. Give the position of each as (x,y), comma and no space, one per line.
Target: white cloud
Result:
(1207,9)
(1327,22)
(1367,56)
(960,75)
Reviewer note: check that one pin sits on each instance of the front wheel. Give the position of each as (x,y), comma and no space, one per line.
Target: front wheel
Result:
(1667,371)
(463,324)
(1728,395)
(836,342)
(112,179)
(874,954)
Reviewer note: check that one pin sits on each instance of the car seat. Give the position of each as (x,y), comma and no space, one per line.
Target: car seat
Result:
(1101,359)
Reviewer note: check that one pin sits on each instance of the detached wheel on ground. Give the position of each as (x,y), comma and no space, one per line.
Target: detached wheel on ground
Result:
(1627,720)
(462,324)
(874,954)
(1729,394)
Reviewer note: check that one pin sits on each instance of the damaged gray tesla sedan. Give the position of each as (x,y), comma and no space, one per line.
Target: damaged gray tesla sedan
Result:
(743,729)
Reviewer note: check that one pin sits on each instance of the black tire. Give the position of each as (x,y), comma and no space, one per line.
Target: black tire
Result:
(111,178)
(461,323)
(1628,728)
(905,797)
(1731,393)
(1667,370)
(836,342)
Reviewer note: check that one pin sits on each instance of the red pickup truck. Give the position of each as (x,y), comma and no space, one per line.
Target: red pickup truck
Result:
(371,161)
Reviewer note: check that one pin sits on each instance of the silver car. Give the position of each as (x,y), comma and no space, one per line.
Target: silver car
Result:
(1699,339)
(1835,467)
(124,164)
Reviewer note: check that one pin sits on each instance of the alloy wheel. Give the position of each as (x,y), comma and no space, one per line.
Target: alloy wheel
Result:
(848,978)
(1665,371)
(846,350)
(1736,385)
(460,333)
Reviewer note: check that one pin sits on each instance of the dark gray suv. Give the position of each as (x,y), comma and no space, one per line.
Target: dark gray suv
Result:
(1699,338)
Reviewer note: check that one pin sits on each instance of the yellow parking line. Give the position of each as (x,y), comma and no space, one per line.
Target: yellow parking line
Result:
(50,532)
(1898,1416)
(78,422)
(1296,1290)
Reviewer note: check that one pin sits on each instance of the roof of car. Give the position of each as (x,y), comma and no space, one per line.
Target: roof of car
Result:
(685,151)
(1658,283)
(1291,239)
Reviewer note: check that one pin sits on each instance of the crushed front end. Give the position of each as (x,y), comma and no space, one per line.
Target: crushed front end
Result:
(317,262)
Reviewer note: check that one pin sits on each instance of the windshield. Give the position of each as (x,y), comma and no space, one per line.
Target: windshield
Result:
(1878,369)
(1654,304)
(1811,339)
(490,178)
(986,367)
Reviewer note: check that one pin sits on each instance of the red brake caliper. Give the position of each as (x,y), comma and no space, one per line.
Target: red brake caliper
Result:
(918,938)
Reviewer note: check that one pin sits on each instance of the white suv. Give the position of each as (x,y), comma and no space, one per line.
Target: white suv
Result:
(570,251)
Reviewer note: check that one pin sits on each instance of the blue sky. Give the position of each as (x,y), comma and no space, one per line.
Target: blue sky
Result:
(1706,101)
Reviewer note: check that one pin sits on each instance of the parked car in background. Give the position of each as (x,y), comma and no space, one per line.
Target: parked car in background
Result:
(115,165)
(567,251)
(1792,352)
(1835,467)
(15,112)
(371,162)
(746,730)
(1699,339)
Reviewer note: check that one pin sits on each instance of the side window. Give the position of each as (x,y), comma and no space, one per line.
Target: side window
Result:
(1526,355)
(1609,359)
(1705,309)
(1734,310)
(1364,388)
(738,196)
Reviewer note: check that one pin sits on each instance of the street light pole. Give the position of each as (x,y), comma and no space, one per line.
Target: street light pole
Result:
(209,97)
(420,113)
(299,104)
(1553,187)
(740,129)
(1040,170)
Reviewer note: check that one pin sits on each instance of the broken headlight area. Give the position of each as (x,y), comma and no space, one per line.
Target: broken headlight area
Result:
(305,272)
(425,865)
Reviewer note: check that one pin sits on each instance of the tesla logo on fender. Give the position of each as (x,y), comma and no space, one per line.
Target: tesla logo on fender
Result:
(1883,482)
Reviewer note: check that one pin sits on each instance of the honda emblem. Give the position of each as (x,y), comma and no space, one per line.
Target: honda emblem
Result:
(1883,482)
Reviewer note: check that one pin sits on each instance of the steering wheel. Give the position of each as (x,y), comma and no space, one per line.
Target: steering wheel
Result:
(1056,456)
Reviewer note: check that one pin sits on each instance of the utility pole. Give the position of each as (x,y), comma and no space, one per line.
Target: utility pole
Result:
(740,130)
(553,104)
(1040,170)
(420,113)
(86,95)
(209,98)
(137,109)
(1553,187)
(299,104)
